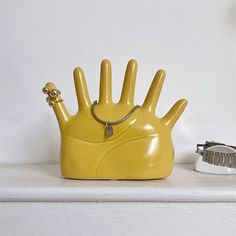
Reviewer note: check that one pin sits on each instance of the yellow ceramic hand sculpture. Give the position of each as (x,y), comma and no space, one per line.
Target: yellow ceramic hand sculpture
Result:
(139,146)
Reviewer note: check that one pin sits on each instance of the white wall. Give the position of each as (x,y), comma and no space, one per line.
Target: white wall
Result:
(118,219)
(44,40)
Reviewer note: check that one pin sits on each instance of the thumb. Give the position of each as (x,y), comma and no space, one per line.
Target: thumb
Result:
(174,113)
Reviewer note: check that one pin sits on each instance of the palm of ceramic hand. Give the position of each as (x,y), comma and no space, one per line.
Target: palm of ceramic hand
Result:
(139,133)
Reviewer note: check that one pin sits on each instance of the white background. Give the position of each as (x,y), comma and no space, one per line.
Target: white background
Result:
(194,41)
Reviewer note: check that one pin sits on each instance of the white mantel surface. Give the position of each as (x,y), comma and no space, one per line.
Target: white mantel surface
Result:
(35,200)
(43,183)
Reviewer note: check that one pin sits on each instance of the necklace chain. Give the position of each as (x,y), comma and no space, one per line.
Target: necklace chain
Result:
(109,124)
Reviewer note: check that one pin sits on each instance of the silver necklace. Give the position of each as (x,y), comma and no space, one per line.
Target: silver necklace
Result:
(108,124)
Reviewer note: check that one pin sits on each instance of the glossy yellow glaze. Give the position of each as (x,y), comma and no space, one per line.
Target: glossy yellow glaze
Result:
(140,148)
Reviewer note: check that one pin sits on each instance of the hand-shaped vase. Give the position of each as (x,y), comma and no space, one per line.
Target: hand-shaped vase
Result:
(140,147)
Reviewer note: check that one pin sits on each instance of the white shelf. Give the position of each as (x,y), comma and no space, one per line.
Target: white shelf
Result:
(43,183)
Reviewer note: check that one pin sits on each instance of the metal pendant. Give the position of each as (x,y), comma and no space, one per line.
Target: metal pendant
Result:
(108,131)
